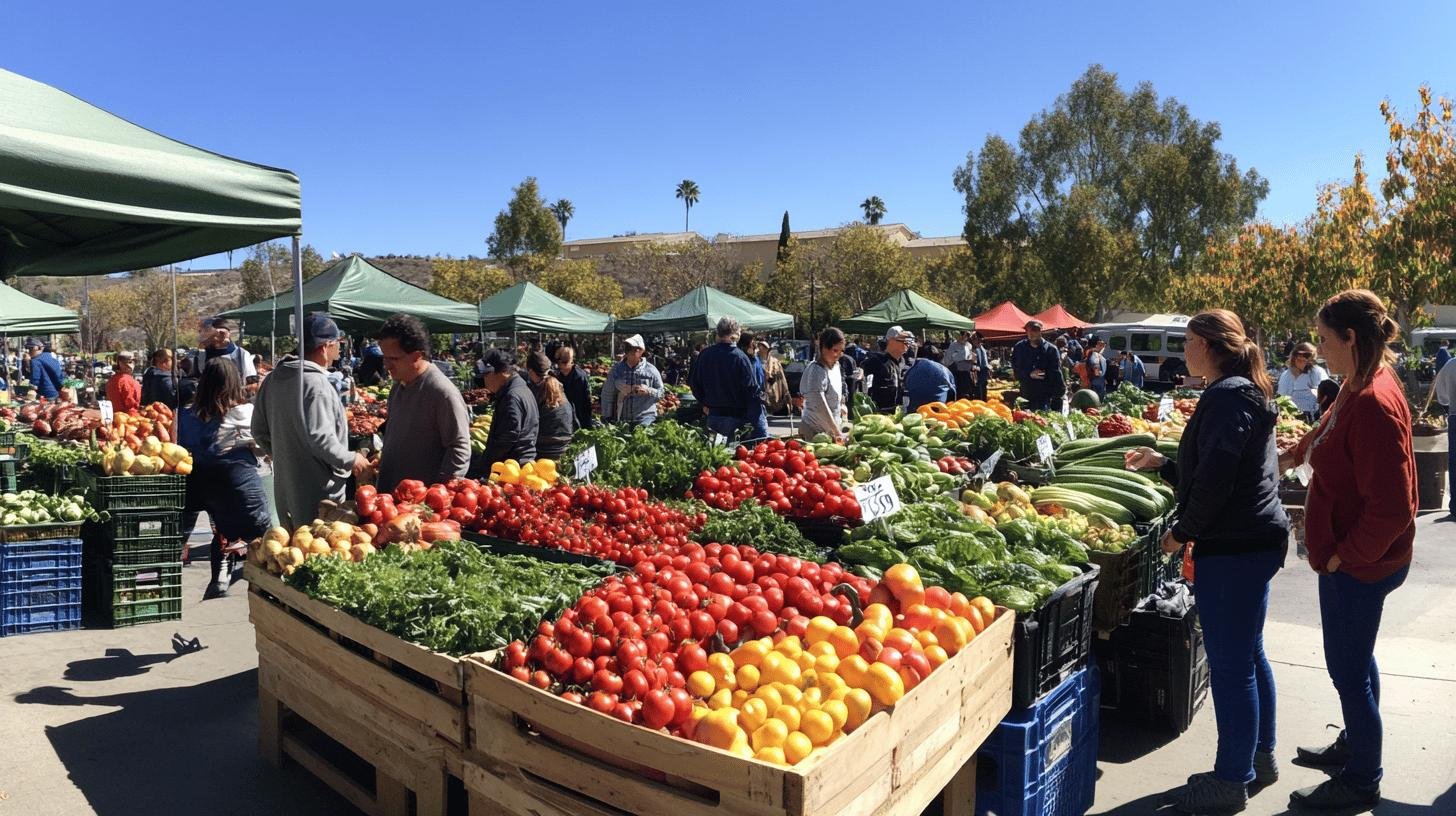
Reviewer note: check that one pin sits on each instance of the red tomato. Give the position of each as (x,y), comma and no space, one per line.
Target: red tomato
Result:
(658,709)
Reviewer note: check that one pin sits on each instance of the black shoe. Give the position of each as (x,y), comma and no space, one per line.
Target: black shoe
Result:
(217,589)
(1205,793)
(1266,769)
(1335,794)
(1334,755)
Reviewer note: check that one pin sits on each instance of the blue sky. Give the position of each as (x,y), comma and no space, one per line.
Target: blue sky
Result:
(409,123)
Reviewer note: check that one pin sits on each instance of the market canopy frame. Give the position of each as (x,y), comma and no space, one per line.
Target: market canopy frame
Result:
(22,314)
(359,296)
(526,307)
(700,310)
(85,192)
(909,310)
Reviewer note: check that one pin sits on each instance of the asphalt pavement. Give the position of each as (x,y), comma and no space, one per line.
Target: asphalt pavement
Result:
(119,723)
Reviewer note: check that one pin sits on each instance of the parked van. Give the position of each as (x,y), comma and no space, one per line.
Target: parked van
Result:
(1429,339)
(1155,339)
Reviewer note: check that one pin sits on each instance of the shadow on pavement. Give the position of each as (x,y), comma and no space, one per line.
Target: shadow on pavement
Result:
(117,663)
(1124,741)
(1445,805)
(192,749)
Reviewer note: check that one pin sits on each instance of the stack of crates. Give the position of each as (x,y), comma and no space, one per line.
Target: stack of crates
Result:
(40,579)
(133,563)
(1042,759)
(1155,669)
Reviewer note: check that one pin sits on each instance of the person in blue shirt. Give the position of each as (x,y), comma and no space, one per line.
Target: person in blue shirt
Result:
(1038,368)
(722,381)
(928,380)
(1132,369)
(757,417)
(1443,355)
(1097,367)
(45,371)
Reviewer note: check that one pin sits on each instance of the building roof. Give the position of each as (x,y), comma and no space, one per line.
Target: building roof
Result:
(641,237)
(806,235)
(944,240)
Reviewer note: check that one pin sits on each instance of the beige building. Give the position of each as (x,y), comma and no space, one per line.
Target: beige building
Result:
(761,248)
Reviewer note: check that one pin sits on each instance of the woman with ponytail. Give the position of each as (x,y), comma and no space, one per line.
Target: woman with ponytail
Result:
(1359,529)
(1227,485)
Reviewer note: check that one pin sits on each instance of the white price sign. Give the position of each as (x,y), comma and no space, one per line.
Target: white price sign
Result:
(877,499)
(720,440)
(988,465)
(1066,406)
(585,463)
(869,381)
(1045,449)
(377,442)
(107,411)
(1165,408)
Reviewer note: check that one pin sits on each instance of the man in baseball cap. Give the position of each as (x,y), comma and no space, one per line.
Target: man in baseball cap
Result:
(884,371)
(1038,367)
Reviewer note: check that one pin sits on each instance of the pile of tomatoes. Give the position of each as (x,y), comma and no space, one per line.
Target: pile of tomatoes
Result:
(782,475)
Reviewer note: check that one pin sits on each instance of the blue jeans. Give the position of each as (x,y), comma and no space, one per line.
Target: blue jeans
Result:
(1350,616)
(726,425)
(758,425)
(1232,592)
(1451,460)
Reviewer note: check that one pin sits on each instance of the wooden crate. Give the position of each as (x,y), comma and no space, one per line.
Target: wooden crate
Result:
(534,754)
(397,706)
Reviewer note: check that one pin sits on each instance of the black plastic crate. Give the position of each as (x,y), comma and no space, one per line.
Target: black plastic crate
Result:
(1052,642)
(59,480)
(163,491)
(129,595)
(1122,583)
(1157,670)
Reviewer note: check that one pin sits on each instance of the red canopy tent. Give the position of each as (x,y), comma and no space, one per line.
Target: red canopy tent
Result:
(1059,318)
(1003,322)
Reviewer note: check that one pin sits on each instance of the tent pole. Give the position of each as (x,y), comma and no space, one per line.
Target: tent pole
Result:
(298,320)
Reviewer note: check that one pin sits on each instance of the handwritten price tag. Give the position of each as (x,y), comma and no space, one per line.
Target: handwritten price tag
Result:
(988,465)
(1066,407)
(1045,450)
(720,440)
(376,442)
(1165,408)
(1071,430)
(869,381)
(585,463)
(107,411)
(877,499)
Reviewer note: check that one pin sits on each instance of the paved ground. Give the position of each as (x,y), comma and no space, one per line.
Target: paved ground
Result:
(115,722)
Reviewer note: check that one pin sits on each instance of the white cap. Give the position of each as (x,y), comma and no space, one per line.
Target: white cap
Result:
(636,341)
(897,333)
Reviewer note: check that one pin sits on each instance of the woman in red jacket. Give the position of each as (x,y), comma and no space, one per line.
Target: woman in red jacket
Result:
(1360,524)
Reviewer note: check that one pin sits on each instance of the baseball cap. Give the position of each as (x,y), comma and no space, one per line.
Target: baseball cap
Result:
(1033,324)
(318,328)
(498,360)
(636,341)
(34,343)
(897,333)
(220,323)
(125,356)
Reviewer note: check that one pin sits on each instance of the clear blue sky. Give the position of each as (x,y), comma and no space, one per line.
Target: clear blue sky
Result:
(409,123)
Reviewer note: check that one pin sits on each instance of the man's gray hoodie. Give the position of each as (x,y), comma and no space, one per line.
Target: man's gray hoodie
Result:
(311,456)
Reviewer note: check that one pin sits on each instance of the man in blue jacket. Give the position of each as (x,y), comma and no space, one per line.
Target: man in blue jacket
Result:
(45,371)
(722,381)
(1038,368)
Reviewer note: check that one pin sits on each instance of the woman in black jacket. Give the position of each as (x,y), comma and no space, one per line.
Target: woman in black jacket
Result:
(1226,476)
(552,406)
(515,421)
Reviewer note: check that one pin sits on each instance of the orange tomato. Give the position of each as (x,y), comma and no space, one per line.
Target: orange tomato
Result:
(988,609)
(952,634)
(845,641)
(937,597)
(959,604)
(904,583)
(853,669)
(936,656)
(917,616)
(880,616)
(884,684)
(926,638)
(899,639)
(974,616)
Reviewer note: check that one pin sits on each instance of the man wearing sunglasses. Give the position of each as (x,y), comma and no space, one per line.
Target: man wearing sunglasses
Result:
(1300,381)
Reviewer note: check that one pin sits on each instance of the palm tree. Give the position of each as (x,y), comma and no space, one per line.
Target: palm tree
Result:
(688,192)
(563,209)
(874,209)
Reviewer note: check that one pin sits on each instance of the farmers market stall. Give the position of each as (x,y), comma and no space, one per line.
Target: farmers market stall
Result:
(528,307)
(359,297)
(22,314)
(1002,323)
(909,310)
(1057,318)
(700,310)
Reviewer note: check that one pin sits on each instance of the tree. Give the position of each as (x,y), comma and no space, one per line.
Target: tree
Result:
(785,236)
(797,267)
(468,280)
(687,190)
(1113,191)
(581,283)
(861,268)
(108,312)
(525,228)
(564,210)
(665,271)
(312,262)
(1261,274)
(874,209)
(266,271)
(149,292)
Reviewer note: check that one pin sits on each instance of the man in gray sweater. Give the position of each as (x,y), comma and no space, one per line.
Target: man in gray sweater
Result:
(311,456)
(427,436)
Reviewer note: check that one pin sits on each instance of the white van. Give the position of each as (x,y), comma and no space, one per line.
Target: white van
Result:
(1154,339)
(1429,339)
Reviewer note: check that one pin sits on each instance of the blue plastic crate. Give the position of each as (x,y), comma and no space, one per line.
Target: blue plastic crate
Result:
(56,553)
(42,600)
(1042,760)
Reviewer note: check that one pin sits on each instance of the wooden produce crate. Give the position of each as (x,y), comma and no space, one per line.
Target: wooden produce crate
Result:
(392,704)
(534,754)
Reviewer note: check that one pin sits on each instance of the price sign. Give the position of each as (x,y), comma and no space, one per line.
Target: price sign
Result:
(1165,408)
(869,381)
(877,499)
(107,411)
(1044,448)
(720,440)
(988,465)
(1066,406)
(377,442)
(1071,430)
(585,463)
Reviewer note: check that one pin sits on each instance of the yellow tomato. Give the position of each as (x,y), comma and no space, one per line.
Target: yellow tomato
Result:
(789,715)
(739,697)
(790,646)
(720,730)
(752,714)
(936,656)
(806,661)
(826,664)
(859,705)
(747,677)
(722,698)
(790,693)
(817,725)
(811,699)
(838,712)
(770,735)
(845,641)
(853,669)
(701,684)
(771,753)
(823,647)
(797,746)
(770,696)
(720,664)
(879,615)
(884,684)
(749,654)
(926,638)
(819,629)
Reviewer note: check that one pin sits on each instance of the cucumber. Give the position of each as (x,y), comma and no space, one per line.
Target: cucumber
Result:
(1079,469)
(1167,493)
(1168,448)
(1082,502)
(1083,448)
(1140,505)
(1135,488)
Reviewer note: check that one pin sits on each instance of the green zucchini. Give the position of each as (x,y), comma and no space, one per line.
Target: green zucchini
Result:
(1083,448)
(1135,488)
(1141,505)
(1079,468)
(1083,502)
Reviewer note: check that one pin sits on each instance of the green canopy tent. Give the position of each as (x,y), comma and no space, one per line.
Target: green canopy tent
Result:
(85,192)
(528,307)
(700,310)
(22,314)
(359,296)
(909,310)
